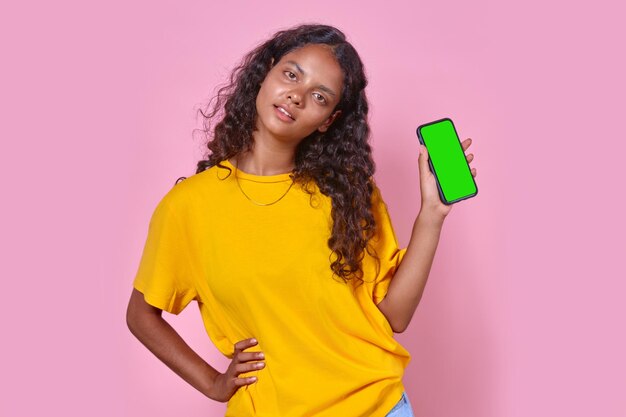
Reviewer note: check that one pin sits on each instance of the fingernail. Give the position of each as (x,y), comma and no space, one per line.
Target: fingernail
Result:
(253,340)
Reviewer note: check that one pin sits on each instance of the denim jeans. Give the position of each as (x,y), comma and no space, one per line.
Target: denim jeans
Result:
(402,408)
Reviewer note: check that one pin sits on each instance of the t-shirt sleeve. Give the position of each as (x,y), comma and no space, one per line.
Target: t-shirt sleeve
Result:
(386,246)
(165,276)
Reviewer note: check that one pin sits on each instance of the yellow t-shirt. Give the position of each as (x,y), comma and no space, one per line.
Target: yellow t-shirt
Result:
(264,272)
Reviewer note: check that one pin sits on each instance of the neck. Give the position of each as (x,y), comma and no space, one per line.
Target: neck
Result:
(266,160)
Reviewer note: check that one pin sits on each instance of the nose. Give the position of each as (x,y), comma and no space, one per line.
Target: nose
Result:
(295,97)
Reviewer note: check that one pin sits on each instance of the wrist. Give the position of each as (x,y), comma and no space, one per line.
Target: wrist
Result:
(430,218)
(210,377)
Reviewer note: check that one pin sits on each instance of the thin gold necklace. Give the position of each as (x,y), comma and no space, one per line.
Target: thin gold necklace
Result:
(248,197)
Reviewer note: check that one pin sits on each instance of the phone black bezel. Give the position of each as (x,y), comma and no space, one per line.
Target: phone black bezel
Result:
(432,169)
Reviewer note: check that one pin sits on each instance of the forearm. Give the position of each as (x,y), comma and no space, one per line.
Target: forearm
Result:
(407,286)
(166,344)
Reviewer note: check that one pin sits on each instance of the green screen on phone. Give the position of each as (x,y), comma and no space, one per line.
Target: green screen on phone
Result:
(447,160)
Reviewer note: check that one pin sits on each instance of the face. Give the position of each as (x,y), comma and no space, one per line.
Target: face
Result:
(299,94)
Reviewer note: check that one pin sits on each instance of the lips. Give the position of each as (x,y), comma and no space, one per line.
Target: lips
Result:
(283,113)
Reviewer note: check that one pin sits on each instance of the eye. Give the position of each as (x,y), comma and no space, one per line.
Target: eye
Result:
(319,97)
(289,74)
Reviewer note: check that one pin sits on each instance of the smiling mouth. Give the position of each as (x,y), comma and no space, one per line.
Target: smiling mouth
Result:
(283,111)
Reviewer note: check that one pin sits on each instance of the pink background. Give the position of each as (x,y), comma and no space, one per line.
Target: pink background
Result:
(523,314)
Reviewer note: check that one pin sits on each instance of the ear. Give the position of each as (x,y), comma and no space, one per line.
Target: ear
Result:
(324,127)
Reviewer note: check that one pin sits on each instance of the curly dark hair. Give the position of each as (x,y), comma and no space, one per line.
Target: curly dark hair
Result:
(339,160)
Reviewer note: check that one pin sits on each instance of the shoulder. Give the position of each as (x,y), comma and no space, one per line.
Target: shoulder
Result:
(189,193)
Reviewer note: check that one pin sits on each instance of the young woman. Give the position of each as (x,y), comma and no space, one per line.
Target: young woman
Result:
(284,241)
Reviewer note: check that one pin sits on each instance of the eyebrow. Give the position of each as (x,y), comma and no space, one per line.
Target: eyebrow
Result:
(321,87)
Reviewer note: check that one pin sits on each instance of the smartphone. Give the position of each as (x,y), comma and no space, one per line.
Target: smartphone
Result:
(446,160)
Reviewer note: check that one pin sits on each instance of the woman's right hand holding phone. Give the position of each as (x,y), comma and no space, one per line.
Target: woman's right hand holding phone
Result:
(225,385)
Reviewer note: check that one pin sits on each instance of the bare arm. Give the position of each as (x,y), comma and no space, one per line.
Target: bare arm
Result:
(406,287)
(147,324)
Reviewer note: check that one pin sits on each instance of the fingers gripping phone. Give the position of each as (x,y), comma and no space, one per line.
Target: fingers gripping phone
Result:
(447,161)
